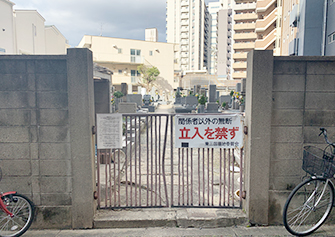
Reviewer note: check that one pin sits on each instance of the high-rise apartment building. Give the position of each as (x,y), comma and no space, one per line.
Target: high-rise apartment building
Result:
(214,8)
(244,35)
(224,44)
(188,25)
(309,28)
(268,27)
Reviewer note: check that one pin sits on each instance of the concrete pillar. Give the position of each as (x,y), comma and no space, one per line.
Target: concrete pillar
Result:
(257,148)
(81,120)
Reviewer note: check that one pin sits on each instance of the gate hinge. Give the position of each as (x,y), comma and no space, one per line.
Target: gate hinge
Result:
(245,130)
(94,130)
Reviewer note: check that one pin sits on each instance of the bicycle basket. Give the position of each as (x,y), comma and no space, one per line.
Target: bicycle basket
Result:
(318,162)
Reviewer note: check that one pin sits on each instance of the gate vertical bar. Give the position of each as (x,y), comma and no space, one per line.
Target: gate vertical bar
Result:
(130,159)
(147,120)
(179,176)
(208,187)
(233,176)
(229,183)
(110,176)
(156,160)
(114,181)
(241,170)
(98,176)
(187,173)
(212,176)
(171,156)
(126,163)
(163,160)
(192,176)
(183,176)
(199,176)
(135,157)
(139,162)
(220,182)
(119,178)
(159,158)
(203,176)
(224,175)
(106,177)
(152,161)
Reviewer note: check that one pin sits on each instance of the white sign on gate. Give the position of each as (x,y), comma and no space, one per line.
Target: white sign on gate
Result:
(208,131)
(109,131)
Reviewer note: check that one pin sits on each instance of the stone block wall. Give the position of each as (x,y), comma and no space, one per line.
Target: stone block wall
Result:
(42,153)
(288,100)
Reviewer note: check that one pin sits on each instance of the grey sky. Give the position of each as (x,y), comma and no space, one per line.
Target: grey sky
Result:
(113,18)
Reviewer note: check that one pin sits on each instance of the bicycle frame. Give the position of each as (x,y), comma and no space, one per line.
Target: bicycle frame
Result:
(3,206)
(331,183)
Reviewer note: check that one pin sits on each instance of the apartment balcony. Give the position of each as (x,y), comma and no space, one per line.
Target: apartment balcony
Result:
(229,34)
(264,43)
(228,48)
(239,75)
(246,16)
(184,3)
(240,36)
(262,25)
(184,55)
(240,56)
(184,36)
(184,29)
(246,46)
(184,22)
(184,62)
(244,26)
(184,16)
(184,10)
(184,42)
(244,6)
(240,65)
(263,5)
(184,49)
(229,41)
(229,27)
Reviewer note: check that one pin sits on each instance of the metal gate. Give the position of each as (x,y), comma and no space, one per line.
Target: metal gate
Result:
(150,172)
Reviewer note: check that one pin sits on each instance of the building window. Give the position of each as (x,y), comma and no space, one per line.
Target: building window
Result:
(150,53)
(134,76)
(331,38)
(119,50)
(120,71)
(135,55)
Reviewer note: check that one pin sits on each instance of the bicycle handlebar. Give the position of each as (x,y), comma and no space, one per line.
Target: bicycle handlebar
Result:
(324,132)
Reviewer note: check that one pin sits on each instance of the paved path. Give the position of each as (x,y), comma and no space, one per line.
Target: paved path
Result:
(275,231)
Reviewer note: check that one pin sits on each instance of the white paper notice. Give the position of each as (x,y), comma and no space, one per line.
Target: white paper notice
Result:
(109,131)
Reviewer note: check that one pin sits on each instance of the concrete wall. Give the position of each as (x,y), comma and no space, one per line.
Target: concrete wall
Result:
(46,142)
(287,100)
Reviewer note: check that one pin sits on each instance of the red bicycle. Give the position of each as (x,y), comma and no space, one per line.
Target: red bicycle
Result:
(16,215)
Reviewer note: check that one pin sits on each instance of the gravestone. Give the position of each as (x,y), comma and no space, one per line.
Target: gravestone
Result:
(212,106)
(238,87)
(197,89)
(191,101)
(178,96)
(212,93)
(137,98)
(146,101)
(126,107)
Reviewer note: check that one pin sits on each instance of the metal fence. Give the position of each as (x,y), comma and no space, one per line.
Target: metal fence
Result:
(149,172)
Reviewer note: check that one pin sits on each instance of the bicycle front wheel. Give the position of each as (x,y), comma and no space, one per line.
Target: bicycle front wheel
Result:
(308,206)
(23,211)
